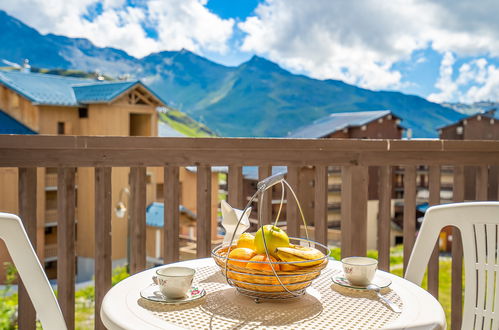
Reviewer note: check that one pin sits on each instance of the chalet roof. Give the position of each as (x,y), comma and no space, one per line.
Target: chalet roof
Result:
(335,122)
(490,113)
(47,89)
(155,214)
(9,125)
(214,169)
(251,172)
(101,92)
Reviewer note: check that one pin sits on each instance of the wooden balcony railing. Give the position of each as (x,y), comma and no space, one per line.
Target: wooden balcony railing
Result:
(354,157)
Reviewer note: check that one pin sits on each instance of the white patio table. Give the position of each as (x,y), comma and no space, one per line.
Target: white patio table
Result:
(325,305)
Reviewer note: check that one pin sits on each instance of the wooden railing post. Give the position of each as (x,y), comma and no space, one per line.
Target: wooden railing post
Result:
(492,194)
(27,213)
(482,183)
(457,255)
(203,204)
(293,217)
(103,239)
(235,187)
(171,227)
(66,236)
(409,212)
(384,217)
(320,204)
(354,182)
(266,207)
(434,199)
(137,218)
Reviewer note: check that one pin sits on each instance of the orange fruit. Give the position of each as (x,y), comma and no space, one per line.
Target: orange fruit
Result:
(241,254)
(246,240)
(263,266)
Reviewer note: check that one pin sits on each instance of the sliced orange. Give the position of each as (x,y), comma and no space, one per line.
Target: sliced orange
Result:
(263,266)
(241,254)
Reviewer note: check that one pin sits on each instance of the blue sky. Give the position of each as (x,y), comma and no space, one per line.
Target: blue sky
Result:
(444,50)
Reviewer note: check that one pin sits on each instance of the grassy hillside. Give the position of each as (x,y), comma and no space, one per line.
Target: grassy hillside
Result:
(185,124)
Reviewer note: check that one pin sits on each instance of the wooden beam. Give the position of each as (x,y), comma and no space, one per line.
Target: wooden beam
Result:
(354,183)
(138,95)
(171,191)
(103,239)
(203,220)
(66,237)
(384,217)
(409,212)
(433,265)
(320,204)
(27,213)
(137,225)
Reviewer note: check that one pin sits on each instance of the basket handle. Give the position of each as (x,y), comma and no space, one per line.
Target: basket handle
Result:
(262,186)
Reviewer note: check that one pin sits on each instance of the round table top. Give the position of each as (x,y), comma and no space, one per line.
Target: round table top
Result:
(325,305)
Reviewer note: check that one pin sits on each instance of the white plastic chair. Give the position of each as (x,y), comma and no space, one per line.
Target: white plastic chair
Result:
(31,272)
(479,226)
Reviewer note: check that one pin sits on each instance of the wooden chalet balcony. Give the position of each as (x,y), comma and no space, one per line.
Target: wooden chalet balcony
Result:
(50,252)
(51,217)
(354,157)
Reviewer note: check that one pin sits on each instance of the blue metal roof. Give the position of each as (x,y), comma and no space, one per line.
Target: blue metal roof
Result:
(251,172)
(335,122)
(155,212)
(422,207)
(101,92)
(9,125)
(50,89)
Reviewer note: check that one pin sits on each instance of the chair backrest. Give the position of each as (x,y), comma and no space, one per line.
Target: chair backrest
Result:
(479,226)
(31,272)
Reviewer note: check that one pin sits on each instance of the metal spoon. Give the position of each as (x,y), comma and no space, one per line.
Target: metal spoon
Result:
(377,289)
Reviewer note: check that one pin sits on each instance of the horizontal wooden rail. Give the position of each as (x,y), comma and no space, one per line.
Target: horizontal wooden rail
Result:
(85,151)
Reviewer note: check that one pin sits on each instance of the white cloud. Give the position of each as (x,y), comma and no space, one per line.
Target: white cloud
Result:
(179,24)
(477,80)
(486,88)
(448,87)
(188,24)
(359,41)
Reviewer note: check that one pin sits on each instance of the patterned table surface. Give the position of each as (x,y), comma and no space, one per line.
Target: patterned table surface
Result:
(325,305)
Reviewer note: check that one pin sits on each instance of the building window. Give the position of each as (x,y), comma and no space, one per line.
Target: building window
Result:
(60,127)
(459,130)
(83,112)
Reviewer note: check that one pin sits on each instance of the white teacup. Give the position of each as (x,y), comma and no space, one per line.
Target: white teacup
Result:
(359,270)
(174,282)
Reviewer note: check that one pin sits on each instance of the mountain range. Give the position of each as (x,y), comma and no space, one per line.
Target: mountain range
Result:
(256,98)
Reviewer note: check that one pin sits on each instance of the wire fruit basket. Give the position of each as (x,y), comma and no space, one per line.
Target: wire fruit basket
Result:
(284,279)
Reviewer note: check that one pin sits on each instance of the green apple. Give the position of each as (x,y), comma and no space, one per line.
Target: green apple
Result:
(274,237)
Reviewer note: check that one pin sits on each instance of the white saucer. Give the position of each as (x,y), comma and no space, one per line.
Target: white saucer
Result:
(153,293)
(380,281)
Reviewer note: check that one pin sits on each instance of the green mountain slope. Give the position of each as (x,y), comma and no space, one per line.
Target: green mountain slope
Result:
(261,99)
